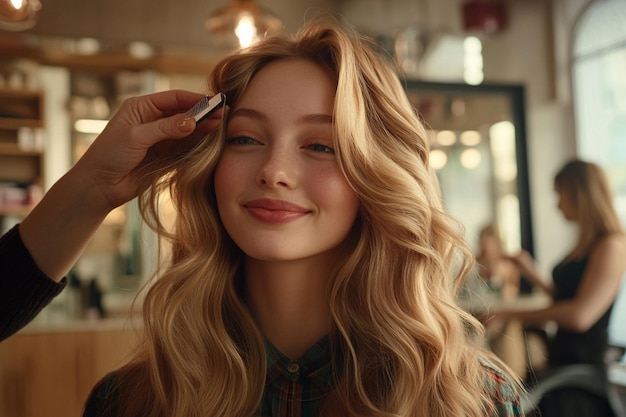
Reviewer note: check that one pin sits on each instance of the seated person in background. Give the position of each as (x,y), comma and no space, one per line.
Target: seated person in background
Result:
(503,278)
(584,286)
(497,270)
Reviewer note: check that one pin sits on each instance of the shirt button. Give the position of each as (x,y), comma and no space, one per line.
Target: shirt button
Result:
(293,367)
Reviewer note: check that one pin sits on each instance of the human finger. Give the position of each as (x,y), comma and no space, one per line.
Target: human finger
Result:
(166,103)
(152,107)
(174,127)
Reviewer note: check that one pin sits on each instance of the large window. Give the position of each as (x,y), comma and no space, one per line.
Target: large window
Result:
(599,77)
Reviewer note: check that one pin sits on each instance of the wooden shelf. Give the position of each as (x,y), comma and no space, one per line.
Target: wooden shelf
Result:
(166,60)
(23,93)
(13,149)
(20,104)
(21,154)
(13,123)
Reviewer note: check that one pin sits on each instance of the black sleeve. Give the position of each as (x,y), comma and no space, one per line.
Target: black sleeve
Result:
(24,289)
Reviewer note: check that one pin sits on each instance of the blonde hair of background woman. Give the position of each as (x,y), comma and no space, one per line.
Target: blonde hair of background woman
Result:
(407,350)
(588,188)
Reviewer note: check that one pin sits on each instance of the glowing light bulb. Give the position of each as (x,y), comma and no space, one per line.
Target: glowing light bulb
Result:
(470,158)
(245,30)
(438,159)
(446,138)
(18,15)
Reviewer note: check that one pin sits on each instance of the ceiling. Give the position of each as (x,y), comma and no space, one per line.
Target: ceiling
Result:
(159,22)
(172,22)
(176,29)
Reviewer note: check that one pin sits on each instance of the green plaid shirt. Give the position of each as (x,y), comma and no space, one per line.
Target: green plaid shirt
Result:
(296,388)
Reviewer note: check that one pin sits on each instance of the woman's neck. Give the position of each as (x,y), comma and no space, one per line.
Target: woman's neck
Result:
(289,301)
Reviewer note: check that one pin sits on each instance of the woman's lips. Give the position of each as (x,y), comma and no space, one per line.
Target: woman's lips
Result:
(275,211)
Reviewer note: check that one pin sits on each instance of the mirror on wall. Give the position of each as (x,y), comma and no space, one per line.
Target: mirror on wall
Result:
(478,148)
(122,255)
(113,256)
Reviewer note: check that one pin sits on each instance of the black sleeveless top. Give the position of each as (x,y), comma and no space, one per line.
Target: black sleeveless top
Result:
(570,347)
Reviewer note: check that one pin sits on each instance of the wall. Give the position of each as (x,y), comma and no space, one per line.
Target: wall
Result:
(525,53)
(532,50)
(554,126)
(536,50)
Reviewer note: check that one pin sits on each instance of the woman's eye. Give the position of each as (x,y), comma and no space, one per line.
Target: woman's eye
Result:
(241,140)
(320,147)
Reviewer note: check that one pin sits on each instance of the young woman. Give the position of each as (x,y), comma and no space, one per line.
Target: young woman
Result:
(584,284)
(313,269)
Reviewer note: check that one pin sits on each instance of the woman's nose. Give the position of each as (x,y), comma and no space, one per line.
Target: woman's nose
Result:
(278,169)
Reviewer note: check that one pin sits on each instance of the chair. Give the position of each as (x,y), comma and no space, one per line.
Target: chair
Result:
(585,377)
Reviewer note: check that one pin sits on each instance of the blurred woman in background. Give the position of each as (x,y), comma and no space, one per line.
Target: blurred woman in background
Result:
(584,286)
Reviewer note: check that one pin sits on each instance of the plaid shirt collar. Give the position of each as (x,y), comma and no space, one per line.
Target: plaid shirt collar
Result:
(297,387)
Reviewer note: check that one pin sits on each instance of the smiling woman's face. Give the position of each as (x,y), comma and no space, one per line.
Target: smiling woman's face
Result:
(281,194)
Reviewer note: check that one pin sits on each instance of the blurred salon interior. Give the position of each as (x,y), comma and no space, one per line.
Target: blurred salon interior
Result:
(509,89)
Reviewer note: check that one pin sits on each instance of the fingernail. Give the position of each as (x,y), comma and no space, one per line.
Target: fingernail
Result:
(186,124)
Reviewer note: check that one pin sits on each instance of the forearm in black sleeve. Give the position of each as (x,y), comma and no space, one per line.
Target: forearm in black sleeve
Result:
(24,289)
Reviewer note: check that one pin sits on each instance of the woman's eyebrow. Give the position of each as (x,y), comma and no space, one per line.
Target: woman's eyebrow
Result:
(320,118)
(317,118)
(245,112)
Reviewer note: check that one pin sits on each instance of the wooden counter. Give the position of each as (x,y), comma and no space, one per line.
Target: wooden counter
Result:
(48,371)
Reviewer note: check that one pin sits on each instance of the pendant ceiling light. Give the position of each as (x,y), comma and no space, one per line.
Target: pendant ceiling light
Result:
(18,15)
(241,23)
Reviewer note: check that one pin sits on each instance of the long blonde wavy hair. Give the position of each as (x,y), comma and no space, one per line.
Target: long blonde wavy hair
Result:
(586,185)
(406,348)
